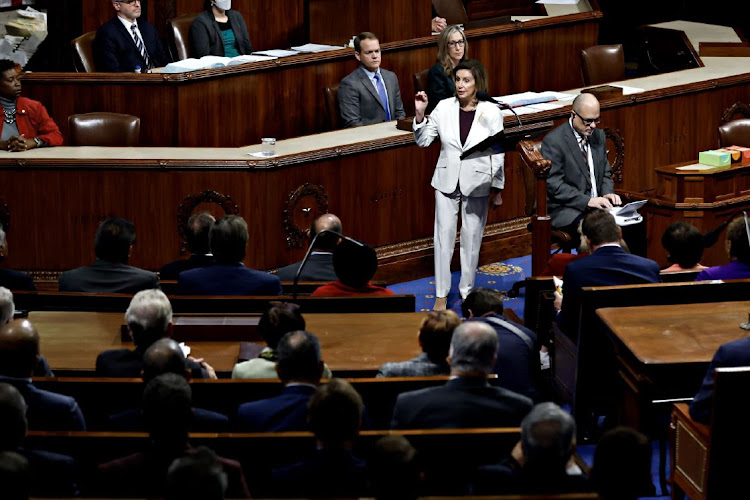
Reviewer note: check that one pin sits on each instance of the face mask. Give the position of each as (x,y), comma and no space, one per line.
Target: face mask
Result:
(223,4)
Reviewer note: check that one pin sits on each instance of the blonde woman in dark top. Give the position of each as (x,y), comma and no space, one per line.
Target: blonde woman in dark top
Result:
(452,49)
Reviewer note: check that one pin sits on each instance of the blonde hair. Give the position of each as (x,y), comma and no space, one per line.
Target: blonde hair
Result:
(443,55)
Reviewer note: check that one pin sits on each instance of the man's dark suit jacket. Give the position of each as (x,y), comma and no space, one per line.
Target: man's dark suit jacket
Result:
(16,280)
(607,266)
(326,474)
(48,411)
(221,279)
(124,363)
(107,277)
(285,412)
(359,102)
(115,50)
(461,403)
(736,353)
(172,270)
(319,267)
(56,475)
(203,421)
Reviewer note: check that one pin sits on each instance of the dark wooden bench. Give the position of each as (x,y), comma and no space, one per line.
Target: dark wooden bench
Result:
(303,287)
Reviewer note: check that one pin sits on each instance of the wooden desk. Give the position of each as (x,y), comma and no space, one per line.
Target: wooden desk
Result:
(71,341)
(663,351)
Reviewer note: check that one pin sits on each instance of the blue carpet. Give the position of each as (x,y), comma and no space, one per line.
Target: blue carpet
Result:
(499,276)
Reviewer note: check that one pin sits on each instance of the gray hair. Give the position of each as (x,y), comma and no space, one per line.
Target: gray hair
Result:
(473,348)
(149,313)
(547,436)
(6,305)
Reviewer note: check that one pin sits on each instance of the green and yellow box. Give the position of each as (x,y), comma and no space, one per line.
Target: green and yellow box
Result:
(714,158)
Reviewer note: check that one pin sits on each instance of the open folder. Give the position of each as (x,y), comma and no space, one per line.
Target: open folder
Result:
(628,214)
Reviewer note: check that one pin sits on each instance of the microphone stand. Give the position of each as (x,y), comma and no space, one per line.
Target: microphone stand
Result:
(309,251)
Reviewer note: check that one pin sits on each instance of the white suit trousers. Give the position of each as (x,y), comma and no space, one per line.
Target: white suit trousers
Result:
(473,219)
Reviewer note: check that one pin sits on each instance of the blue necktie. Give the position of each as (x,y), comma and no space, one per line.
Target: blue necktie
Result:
(383,96)
(140,46)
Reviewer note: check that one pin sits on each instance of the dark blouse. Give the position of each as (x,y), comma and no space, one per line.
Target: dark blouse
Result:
(465,119)
(439,86)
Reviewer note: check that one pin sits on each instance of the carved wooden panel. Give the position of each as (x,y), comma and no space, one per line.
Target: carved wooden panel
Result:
(189,204)
(738,108)
(303,206)
(615,156)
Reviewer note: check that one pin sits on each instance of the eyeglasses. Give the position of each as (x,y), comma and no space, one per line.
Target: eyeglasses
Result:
(589,121)
(457,43)
(129,2)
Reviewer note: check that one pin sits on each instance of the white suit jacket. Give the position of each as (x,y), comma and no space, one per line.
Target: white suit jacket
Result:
(475,174)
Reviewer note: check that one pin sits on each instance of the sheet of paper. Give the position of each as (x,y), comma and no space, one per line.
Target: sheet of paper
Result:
(276,53)
(558,2)
(628,90)
(546,106)
(249,58)
(521,110)
(261,154)
(316,47)
(697,166)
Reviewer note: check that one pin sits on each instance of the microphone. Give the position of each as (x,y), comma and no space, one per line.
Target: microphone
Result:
(310,249)
(710,238)
(484,96)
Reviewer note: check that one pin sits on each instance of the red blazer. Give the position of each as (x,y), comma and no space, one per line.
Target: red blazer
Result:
(33,121)
(338,289)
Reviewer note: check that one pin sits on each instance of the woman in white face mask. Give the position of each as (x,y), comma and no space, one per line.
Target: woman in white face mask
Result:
(219,31)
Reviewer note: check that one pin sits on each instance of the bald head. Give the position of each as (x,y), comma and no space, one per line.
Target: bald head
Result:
(326,222)
(19,349)
(585,115)
(163,356)
(473,349)
(6,305)
(12,417)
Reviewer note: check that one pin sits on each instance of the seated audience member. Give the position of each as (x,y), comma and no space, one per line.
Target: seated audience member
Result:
(299,366)
(7,308)
(622,465)
(125,44)
(149,318)
(319,265)
(369,94)
(542,460)
(394,469)
(19,354)
(738,248)
(684,245)
(435,340)
(110,272)
(335,417)
(197,476)
(166,356)
(54,474)
(278,320)
(196,235)
(228,240)
(467,399)
(10,279)
(219,31)
(517,367)
(355,266)
(731,354)
(15,476)
(27,124)
(452,49)
(167,413)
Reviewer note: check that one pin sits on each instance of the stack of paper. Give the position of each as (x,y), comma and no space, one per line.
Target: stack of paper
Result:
(311,48)
(208,62)
(277,53)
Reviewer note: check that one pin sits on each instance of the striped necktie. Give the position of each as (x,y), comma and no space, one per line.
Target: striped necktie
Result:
(140,46)
(584,144)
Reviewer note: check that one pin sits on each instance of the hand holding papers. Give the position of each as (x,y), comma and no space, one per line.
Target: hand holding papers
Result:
(628,214)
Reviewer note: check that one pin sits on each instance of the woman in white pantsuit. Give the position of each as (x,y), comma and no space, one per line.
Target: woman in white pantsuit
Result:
(461,122)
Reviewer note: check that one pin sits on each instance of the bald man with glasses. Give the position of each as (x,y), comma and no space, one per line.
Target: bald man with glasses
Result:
(125,44)
(580,175)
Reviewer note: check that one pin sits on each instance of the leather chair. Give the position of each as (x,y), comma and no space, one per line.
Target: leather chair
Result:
(333,115)
(104,129)
(453,11)
(178,36)
(735,133)
(83,53)
(602,64)
(420,80)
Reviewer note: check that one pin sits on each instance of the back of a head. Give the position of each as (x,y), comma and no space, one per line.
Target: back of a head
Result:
(113,240)
(473,349)
(6,305)
(13,425)
(148,317)
(198,475)
(599,227)
(334,412)
(278,320)
(19,348)
(436,332)
(326,241)
(228,239)
(547,439)
(163,356)
(481,301)
(198,227)
(299,357)
(15,476)
(394,468)
(737,235)
(354,264)
(684,244)
(166,407)
(622,465)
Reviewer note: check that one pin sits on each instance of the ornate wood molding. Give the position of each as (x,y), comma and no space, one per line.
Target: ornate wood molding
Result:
(738,108)
(303,206)
(619,144)
(188,205)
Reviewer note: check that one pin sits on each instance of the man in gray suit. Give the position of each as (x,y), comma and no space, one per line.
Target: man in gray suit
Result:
(580,175)
(369,94)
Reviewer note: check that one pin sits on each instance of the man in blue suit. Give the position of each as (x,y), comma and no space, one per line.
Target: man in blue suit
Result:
(123,43)
(228,239)
(299,367)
